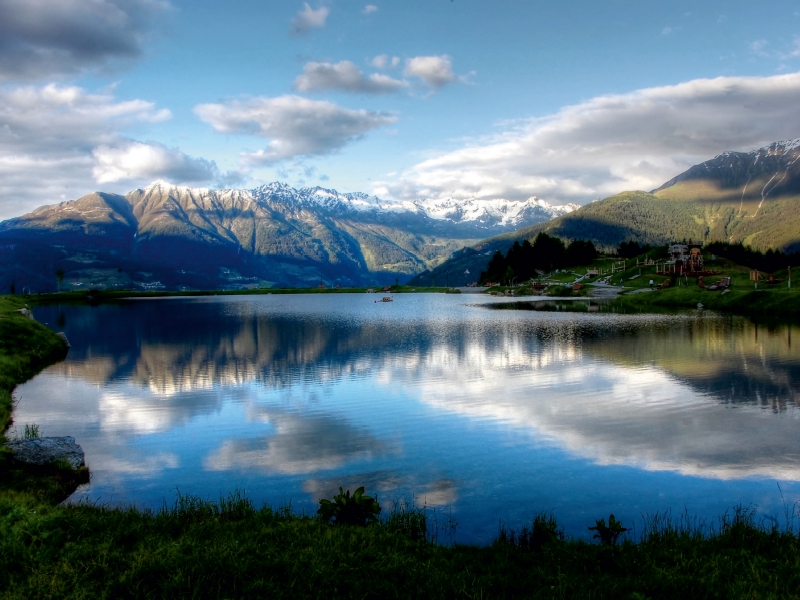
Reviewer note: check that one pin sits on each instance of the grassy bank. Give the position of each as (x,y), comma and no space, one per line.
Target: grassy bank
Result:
(26,347)
(763,304)
(233,550)
(767,303)
(108,295)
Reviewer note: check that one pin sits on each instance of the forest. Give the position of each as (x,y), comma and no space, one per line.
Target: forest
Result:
(523,260)
(769,261)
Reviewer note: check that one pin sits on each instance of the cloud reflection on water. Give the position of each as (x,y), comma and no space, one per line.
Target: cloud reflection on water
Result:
(661,393)
(437,492)
(301,443)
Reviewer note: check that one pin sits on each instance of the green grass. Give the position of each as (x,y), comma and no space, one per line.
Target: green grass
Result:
(26,347)
(231,549)
(98,296)
(773,303)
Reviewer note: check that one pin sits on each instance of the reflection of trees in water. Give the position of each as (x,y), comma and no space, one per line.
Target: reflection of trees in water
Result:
(177,345)
(732,360)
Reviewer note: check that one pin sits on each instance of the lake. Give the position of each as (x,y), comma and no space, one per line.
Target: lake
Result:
(480,415)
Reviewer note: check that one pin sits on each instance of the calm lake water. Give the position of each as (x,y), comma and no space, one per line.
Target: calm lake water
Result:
(485,415)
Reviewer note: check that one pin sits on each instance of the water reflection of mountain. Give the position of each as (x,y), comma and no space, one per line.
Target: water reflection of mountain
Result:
(173,346)
(664,392)
(729,359)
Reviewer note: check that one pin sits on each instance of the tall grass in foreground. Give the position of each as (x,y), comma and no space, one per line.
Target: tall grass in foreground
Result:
(232,549)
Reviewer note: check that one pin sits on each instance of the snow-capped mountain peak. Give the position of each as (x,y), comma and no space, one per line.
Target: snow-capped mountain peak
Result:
(493,215)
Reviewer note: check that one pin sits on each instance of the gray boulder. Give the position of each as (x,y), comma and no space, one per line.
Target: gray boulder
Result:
(43,451)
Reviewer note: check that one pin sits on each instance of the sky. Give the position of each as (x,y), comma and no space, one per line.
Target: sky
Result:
(567,101)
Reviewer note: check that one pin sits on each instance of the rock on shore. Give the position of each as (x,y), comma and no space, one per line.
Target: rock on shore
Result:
(43,451)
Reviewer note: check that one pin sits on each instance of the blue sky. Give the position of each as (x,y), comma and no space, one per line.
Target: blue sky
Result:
(566,101)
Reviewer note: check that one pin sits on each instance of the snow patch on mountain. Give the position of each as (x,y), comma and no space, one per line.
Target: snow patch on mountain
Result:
(505,213)
(499,212)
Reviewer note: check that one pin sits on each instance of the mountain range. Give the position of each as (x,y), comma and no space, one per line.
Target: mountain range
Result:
(739,197)
(173,237)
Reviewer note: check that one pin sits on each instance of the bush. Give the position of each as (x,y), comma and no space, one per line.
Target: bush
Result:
(345,509)
(543,532)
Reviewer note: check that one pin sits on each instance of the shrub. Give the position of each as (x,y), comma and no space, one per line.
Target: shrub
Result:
(344,509)
(608,534)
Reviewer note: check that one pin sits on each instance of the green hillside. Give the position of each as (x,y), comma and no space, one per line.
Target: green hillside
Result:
(696,209)
(672,214)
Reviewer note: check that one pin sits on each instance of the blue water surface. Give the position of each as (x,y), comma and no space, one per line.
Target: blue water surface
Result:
(482,416)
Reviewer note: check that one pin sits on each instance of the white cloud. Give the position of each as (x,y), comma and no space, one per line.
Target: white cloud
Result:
(136,161)
(369,9)
(54,140)
(300,444)
(435,71)
(43,38)
(667,30)
(345,76)
(296,126)
(308,19)
(384,61)
(612,143)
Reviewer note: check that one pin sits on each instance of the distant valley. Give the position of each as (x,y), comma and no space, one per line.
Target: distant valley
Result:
(173,237)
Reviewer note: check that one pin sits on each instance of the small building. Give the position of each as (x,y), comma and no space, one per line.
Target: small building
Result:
(678,251)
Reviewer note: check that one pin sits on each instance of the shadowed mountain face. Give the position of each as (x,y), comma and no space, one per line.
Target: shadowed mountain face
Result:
(178,237)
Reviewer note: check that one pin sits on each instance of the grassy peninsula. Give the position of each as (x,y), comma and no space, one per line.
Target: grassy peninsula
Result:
(234,549)
(630,280)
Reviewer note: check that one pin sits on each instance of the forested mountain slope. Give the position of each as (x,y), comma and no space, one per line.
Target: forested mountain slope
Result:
(748,197)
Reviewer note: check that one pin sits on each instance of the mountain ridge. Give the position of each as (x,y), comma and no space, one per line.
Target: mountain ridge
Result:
(274,234)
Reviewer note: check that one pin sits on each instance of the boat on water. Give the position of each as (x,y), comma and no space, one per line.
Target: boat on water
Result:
(386,299)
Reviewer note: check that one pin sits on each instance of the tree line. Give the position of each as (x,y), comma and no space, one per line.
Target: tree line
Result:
(545,254)
(769,261)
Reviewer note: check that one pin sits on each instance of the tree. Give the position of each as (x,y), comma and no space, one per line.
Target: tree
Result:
(59,278)
(631,249)
(548,252)
(545,253)
(580,252)
(495,269)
